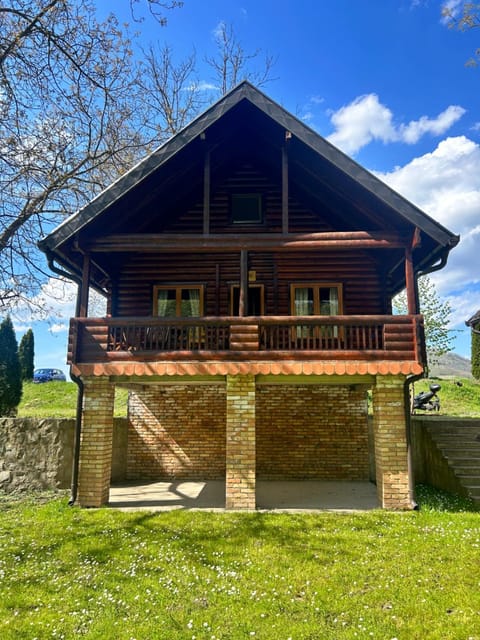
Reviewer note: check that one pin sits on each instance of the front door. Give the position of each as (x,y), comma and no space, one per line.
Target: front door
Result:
(255,300)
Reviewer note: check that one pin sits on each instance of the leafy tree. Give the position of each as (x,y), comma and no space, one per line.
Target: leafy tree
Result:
(476,354)
(10,372)
(436,314)
(474,324)
(26,355)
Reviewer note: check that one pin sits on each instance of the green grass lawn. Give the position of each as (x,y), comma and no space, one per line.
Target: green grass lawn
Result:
(455,399)
(58,400)
(184,575)
(67,573)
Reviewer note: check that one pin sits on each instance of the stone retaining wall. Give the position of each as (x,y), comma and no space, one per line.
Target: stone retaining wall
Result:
(38,454)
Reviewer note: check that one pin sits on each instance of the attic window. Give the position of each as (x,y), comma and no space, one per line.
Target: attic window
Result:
(247,208)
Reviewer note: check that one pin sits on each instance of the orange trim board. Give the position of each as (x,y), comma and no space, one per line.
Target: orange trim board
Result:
(329,368)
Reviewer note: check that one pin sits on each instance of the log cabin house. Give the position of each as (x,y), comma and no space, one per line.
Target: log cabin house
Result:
(249,268)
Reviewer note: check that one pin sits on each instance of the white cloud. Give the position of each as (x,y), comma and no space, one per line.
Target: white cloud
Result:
(60,295)
(219,30)
(307,111)
(446,185)
(414,130)
(55,300)
(20,328)
(367,119)
(363,120)
(307,117)
(464,305)
(54,303)
(59,327)
(201,85)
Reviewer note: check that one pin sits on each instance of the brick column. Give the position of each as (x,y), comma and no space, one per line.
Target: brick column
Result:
(390,432)
(240,444)
(96,442)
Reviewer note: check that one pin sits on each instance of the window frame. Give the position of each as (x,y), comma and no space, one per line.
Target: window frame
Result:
(247,223)
(178,287)
(316,286)
(317,334)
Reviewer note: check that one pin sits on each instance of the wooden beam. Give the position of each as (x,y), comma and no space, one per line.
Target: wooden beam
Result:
(410,282)
(84,290)
(243,301)
(285,184)
(217,289)
(206,194)
(259,241)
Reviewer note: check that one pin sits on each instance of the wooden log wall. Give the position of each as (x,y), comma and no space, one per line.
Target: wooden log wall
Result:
(356,271)
(248,179)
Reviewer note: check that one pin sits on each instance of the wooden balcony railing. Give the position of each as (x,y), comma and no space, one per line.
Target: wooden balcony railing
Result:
(227,338)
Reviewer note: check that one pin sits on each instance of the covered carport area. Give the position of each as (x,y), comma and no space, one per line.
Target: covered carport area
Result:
(271,495)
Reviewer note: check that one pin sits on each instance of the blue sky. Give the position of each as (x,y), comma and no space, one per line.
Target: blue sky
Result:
(385,80)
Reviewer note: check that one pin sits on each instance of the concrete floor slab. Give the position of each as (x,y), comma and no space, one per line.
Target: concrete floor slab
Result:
(272,495)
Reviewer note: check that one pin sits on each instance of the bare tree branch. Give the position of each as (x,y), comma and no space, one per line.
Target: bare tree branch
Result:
(68,123)
(232,63)
(77,110)
(469,18)
(157,8)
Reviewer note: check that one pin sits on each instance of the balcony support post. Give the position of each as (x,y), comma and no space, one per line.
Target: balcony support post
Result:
(391,450)
(96,442)
(240,443)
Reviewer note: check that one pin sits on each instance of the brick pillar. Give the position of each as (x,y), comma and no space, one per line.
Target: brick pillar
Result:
(240,445)
(390,433)
(96,442)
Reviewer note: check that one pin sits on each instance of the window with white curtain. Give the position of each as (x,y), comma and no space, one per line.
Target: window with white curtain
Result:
(316,299)
(322,299)
(178,301)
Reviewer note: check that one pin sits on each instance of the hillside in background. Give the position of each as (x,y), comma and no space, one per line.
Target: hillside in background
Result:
(451,365)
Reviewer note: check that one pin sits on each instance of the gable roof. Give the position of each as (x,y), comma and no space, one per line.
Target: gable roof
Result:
(356,180)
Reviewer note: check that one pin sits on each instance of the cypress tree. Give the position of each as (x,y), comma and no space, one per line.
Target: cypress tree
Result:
(10,371)
(26,354)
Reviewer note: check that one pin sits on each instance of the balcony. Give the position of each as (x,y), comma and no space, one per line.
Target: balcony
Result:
(147,339)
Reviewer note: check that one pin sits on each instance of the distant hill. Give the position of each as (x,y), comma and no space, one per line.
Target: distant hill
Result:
(451,365)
